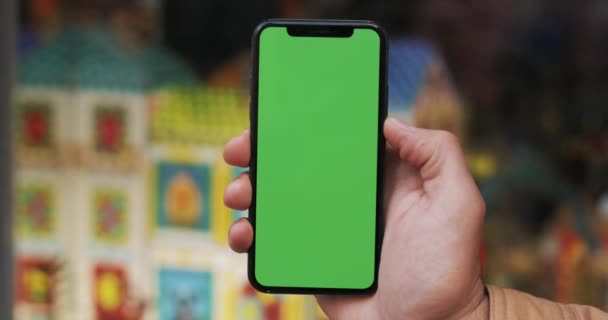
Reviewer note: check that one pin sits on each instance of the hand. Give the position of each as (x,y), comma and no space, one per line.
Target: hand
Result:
(429,266)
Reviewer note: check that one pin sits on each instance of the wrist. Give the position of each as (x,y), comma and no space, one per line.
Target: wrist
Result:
(481,311)
(478,305)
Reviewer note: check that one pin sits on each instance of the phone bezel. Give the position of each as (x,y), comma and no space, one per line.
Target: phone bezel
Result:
(382,112)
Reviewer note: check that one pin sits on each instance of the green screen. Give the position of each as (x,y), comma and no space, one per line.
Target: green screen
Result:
(318,109)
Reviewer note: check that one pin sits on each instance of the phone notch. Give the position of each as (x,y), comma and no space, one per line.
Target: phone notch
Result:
(320,31)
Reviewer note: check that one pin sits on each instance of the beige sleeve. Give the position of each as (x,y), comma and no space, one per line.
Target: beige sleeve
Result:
(507,304)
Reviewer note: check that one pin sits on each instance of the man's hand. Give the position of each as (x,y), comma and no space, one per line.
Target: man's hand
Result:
(429,266)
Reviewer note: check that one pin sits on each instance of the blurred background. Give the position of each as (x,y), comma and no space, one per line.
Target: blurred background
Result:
(121,108)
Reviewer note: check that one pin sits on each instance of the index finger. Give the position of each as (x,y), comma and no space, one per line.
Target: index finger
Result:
(237,151)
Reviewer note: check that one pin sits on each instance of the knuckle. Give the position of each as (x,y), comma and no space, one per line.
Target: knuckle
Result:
(448,138)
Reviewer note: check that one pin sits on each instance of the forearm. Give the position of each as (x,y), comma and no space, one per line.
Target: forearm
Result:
(514,305)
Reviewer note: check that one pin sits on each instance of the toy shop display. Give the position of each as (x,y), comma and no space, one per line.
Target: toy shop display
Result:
(41,139)
(110,289)
(110,130)
(36,211)
(408,62)
(119,198)
(110,216)
(182,196)
(542,233)
(119,183)
(185,294)
(35,282)
(197,115)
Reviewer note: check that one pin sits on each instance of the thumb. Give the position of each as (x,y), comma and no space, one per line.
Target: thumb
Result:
(437,155)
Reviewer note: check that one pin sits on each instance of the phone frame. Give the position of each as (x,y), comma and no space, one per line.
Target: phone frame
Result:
(382,112)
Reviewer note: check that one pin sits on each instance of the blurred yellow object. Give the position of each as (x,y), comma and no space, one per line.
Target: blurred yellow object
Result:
(483,165)
(221,215)
(181,153)
(38,283)
(197,115)
(183,201)
(251,311)
(523,260)
(292,308)
(266,299)
(109,291)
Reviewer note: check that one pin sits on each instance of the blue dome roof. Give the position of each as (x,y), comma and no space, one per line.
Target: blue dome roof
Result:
(92,58)
(408,61)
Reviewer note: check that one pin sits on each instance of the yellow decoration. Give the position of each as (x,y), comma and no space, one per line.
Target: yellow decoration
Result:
(292,308)
(108,291)
(266,299)
(251,310)
(38,283)
(152,204)
(483,165)
(197,116)
(183,201)
(181,153)
(222,215)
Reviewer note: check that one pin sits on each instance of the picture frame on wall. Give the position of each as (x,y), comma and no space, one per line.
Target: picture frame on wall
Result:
(181,196)
(41,139)
(110,129)
(35,283)
(110,290)
(36,210)
(184,294)
(110,215)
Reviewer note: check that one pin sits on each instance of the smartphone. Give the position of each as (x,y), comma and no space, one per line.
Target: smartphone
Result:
(318,104)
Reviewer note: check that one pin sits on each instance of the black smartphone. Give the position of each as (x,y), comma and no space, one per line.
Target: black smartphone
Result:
(318,104)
